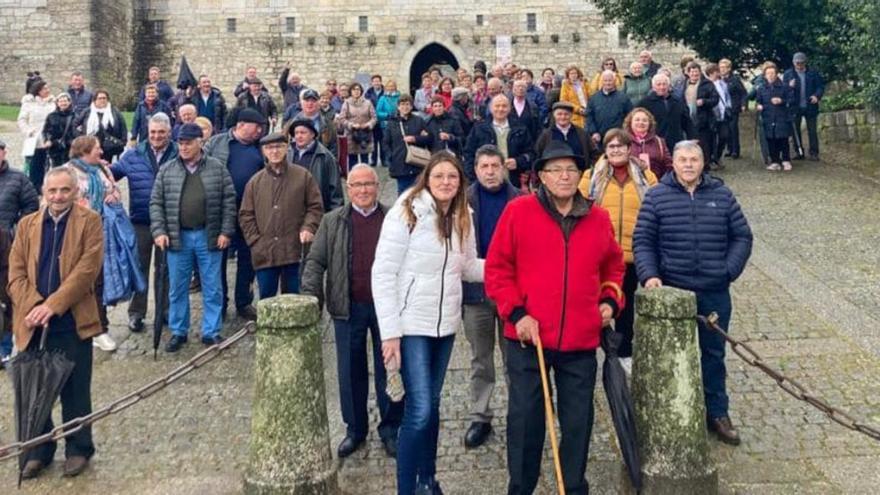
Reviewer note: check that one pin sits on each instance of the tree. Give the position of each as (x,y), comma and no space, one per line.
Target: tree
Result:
(748,32)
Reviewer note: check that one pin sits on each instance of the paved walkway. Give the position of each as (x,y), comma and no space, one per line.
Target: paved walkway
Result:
(808,302)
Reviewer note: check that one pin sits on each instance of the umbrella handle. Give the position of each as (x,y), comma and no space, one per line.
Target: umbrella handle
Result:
(551,420)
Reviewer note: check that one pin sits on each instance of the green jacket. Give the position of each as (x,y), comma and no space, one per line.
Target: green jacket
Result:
(331,253)
(219,198)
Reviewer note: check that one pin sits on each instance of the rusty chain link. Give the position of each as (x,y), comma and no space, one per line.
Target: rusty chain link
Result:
(204,357)
(791,386)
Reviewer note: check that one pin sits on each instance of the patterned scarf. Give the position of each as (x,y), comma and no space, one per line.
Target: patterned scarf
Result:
(96,190)
(604,171)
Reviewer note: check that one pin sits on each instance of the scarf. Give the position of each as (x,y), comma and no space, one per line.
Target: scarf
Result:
(96,190)
(106,122)
(604,171)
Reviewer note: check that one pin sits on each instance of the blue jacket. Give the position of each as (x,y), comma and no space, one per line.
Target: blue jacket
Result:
(815,86)
(166,92)
(140,166)
(699,244)
(122,270)
(387,107)
(776,119)
(80,100)
(536,95)
(606,111)
(142,118)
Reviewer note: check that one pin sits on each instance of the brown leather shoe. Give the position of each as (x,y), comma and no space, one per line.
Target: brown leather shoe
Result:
(32,469)
(725,430)
(75,465)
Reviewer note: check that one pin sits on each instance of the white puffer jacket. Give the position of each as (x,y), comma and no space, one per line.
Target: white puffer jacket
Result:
(32,116)
(417,276)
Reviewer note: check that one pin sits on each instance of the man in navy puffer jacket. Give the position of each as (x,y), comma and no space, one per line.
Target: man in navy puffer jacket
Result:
(140,165)
(692,234)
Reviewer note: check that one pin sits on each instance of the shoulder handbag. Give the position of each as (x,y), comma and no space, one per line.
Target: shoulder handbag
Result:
(415,156)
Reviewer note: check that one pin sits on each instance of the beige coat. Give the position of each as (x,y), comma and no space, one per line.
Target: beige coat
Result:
(358,112)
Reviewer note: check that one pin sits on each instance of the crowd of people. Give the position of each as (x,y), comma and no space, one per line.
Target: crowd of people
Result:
(529,209)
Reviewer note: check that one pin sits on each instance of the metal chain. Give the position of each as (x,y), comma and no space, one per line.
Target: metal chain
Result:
(791,386)
(13,450)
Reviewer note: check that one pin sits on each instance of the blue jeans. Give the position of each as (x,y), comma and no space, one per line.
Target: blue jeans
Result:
(354,376)
(712,352)
(268,278)
(194,243)
(423,369)
(244,273)
(405,182)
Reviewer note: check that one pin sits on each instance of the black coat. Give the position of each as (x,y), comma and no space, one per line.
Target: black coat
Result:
(607,111)
(705,116)
(450,125)
(519,147)
(113,140)
(738,93)
(392,141)
(530,118)
(17,196)
(776,118)
(671,113)
(459,111)
(59,130)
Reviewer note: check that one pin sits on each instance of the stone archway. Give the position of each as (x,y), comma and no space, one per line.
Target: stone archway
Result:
(418,59)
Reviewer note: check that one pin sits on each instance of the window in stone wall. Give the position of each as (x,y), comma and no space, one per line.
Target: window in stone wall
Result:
(290,24)
(363,24)
(157,28)
(480,20)
(531,23)
(622,38)
(231,25)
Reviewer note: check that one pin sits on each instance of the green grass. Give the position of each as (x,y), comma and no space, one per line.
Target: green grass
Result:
(9,113)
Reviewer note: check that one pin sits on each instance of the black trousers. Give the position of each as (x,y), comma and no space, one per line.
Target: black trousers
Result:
(721,136)
(733,134)
(624,322)
(37,169)
(706,137)
(574,375)
(778,150)
(76,395)
(812,132)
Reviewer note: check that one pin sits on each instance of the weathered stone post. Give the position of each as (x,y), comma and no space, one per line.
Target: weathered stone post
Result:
(290,438)
(668,395)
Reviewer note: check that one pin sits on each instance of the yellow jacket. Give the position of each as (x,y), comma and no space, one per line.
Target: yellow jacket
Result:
(569,93)
(596,84)
(622,203)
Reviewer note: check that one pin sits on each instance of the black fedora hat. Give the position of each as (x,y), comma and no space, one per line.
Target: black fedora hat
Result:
(556,150)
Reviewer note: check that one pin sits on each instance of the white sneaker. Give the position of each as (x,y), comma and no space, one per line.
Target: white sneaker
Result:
(774,167)
(786,166)
(104,342)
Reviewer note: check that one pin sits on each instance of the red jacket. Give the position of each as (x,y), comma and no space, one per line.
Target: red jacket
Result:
(531,267)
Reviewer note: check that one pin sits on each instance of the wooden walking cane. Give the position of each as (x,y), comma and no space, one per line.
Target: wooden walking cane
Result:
(551,420)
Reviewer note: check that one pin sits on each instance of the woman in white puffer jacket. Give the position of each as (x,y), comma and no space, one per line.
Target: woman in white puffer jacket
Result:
(35,107)
(425,251)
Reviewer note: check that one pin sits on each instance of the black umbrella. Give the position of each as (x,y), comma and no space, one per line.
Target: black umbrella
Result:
(160,282)
(185,77)
(37,378)
(621,405)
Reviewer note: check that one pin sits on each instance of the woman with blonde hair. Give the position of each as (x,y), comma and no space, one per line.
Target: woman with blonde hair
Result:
(647,146)
(427,247)
(608,63)
(575,91)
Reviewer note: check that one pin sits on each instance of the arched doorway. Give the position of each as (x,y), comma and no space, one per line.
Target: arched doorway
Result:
(433,54)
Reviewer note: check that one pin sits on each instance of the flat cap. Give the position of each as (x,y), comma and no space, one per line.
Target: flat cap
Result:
(252,116)
(275,137)
(189,132)
(563,105)
(301,122)
(459,91)
(799,57)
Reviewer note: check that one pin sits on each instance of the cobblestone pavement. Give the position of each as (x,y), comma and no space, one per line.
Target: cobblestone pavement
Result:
(808,302)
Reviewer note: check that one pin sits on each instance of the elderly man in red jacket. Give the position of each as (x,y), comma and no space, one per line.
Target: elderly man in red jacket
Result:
(555,271)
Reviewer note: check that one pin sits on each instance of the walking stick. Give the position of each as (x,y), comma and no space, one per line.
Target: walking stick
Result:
(551,420)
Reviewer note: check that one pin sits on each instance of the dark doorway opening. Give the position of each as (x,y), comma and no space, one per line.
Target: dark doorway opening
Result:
(432,55)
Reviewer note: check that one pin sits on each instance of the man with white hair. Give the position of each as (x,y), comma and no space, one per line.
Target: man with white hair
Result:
(140,166)
(186,114)
(607,108)
(291,87)
(692,234)
(670,112)
(650,67)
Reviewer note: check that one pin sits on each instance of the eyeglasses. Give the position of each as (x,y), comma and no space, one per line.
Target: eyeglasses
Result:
(362,185)
(559,172)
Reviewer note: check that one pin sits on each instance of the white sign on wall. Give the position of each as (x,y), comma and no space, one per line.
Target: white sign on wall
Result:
(503,49)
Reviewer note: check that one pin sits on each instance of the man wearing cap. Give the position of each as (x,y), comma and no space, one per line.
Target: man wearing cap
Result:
(256,99)
(808,90)
(311,110)
(307,152)
(554,231)
(280,211)
(239,151)
(561,129)
(192,215)
(460,109)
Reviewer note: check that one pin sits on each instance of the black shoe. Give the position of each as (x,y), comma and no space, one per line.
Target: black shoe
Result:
(209,341)
(248,312)
(32,469)
(175,343)
(390,446)
(75,465)
(195,285)
(136,324)
(798,157)
(814,158)
(724,429)
(477,434)
(347,446)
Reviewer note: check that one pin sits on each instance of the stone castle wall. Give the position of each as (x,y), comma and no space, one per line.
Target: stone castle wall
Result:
(860,127)
(326,40)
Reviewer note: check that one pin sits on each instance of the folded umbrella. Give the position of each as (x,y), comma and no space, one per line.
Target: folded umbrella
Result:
(160,282)
(37,378)
(185,77)
(621,405)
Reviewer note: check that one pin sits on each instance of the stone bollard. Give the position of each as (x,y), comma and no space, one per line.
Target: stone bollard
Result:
(668,395)
(290,438)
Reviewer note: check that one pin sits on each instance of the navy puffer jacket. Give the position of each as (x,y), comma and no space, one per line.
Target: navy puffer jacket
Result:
(699,244)
(139,165)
